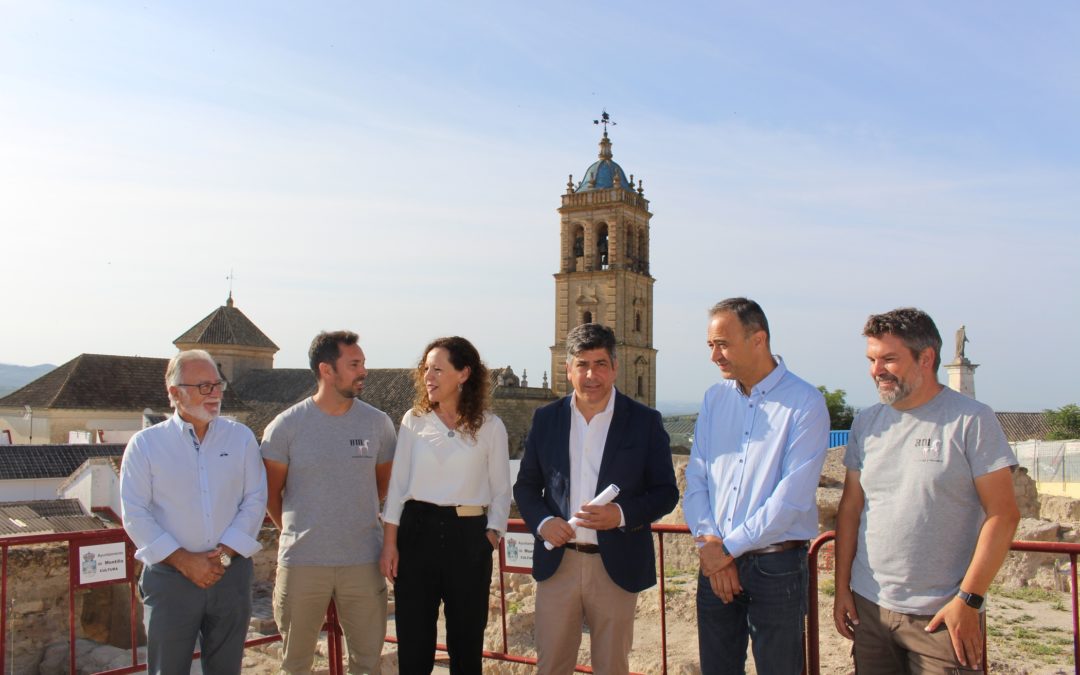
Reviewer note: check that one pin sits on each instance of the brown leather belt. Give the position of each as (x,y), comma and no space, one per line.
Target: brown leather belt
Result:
(591,549)
(778,548)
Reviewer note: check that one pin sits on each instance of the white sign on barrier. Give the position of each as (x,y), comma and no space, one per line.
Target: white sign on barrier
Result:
(102,562)
(518,550)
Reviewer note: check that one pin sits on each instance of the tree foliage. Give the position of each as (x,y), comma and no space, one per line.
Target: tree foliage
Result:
(1064,422)
(840,413)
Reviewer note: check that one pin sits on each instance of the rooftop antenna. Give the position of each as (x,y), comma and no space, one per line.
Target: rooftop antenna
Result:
(605,119)
(231,277)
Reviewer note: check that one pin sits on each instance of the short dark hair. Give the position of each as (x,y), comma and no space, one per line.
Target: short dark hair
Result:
(913,326)
(326,347)
(750,314)
(590,336)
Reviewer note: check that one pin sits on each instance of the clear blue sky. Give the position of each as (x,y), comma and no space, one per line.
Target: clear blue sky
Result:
(394,168)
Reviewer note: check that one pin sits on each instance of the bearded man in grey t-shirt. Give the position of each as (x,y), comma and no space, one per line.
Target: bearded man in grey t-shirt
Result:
(328,461)
(927,513)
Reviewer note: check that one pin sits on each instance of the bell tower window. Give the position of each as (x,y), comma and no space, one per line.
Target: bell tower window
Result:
(602,246)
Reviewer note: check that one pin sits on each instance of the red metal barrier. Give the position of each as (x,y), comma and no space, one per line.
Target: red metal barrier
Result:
(334,634)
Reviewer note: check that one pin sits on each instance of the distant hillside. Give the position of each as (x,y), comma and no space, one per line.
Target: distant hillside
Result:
(12,377)
(668,408)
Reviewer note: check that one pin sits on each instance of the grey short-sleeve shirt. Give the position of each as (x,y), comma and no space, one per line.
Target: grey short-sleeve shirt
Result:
(921,514)
(330,505)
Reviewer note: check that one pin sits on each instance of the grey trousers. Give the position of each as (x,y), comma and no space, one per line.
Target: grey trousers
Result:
(177,612)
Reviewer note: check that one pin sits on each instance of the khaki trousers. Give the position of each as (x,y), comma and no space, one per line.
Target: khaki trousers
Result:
(887,643)
(582,590)
(301,595)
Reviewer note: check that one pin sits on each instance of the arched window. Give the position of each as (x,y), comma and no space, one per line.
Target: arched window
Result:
(640,386)
(577,248)
(637,321)
(586,318)
(602,246)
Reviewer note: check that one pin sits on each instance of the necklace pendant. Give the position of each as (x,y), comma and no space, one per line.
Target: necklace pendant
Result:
(450,433)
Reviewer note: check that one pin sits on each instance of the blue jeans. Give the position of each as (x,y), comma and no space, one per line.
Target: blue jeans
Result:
(770,611)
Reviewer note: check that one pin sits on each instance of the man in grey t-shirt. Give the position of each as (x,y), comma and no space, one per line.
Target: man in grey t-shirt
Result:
(328,461)
(927,513)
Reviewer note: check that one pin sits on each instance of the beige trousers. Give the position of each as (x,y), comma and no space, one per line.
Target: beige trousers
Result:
(582,590)
(301,594)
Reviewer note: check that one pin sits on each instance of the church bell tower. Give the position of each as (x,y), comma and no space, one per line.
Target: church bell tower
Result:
(603,273)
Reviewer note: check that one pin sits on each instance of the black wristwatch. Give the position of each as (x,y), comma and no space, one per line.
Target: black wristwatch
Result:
(971,600)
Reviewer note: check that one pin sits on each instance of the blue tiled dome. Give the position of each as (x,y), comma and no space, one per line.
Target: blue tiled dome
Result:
(604,173)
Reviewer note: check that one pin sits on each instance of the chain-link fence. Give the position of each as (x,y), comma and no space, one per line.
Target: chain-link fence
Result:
(1053,465)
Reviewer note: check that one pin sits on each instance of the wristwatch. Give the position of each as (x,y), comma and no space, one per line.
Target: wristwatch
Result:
(225,559)
(971,600)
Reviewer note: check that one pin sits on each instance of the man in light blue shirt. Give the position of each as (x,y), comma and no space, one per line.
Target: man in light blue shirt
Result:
(193,494)
(750,502)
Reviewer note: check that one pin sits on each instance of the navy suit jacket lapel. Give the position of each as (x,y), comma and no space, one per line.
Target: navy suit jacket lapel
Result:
(619,418)
(560,460)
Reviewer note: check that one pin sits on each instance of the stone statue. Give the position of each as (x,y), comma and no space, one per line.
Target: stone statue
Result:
(961,338)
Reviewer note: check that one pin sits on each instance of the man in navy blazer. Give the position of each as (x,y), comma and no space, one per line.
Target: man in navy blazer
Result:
(577,447)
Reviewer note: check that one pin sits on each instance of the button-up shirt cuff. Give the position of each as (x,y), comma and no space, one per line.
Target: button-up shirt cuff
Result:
(240,542)
(622,518)
(541,526)
(737,543)
(158,550)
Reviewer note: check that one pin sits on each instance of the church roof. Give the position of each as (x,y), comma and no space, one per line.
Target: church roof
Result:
(226,325)
(268,392)
(103,382)
(391,390)
(604,173)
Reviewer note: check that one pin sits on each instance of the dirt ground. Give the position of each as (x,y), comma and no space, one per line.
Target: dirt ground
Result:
(1029,631)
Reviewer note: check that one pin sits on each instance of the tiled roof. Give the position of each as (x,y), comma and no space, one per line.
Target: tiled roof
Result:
(226,325)
(268,392)
(276,385)
(104,382)
(45,516)
(50,461)
(390,390)
(1024,426)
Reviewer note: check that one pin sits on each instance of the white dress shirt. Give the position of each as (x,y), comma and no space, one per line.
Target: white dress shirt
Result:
(587,440)
(434,465)
(178,492)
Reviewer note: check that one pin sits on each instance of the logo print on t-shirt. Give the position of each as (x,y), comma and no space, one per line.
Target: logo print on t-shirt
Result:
(931,449)
(363,447)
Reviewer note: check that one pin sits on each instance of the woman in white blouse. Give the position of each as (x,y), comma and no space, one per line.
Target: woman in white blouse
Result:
(447,506)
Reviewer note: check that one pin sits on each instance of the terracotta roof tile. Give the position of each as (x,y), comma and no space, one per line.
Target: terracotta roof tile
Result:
(104,382)
(1024,426)
(226,325)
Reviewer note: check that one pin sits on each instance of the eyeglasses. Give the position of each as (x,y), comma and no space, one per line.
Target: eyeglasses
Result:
(207,388)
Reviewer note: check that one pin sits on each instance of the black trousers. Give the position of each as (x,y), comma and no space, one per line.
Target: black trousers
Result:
(442,558)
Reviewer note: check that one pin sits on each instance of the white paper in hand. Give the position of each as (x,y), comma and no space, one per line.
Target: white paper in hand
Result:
(605,497)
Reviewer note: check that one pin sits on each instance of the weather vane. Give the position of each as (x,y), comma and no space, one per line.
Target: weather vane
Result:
(231,277)
(605,119)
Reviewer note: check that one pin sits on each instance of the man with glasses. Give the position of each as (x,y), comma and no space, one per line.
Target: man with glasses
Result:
(193,494)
